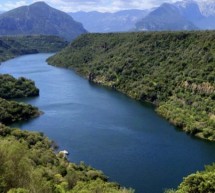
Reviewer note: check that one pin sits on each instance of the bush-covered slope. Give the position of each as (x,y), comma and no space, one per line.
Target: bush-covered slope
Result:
(174,70)
(28,164)
(11,87)
(200,182)
(12,46)
(11,111)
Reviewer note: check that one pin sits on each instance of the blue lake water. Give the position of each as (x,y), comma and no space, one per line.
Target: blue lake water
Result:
(109,131)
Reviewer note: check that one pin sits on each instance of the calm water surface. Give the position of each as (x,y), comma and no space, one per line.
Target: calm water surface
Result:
(109,131)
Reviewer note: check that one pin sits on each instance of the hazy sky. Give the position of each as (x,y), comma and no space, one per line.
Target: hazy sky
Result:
(87,5)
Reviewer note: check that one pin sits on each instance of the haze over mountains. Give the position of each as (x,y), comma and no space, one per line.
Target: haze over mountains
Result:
(182,15)
(39,18)
(109,22)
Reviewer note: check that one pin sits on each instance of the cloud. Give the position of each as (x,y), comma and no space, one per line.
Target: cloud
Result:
(11,5)
(91,5)
(104,5)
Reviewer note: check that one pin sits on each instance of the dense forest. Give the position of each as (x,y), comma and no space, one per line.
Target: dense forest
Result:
(173,70)
(11,87)
(200,182)
(12,111)
(12,46)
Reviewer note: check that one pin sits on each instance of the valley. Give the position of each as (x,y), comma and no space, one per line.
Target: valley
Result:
(125,87)
(169,69)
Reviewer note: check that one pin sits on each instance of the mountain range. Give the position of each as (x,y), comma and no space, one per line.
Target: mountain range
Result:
(39,18)
(182,15)
(109,22)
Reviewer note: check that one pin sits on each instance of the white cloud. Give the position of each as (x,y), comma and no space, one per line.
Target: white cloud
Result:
(11,5)
(90,5)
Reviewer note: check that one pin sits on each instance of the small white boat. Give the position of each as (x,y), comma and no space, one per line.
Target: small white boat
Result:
(64,152)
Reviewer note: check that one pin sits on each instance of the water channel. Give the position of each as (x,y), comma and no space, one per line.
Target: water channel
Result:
(107,130)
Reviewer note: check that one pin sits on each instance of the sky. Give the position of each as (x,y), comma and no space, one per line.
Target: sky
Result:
(87,5)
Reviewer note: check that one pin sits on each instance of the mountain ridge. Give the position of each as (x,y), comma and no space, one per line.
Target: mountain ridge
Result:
(39,18)
(120,21)
(182,15)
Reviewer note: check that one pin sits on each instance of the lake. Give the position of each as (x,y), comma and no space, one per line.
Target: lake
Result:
(124,138)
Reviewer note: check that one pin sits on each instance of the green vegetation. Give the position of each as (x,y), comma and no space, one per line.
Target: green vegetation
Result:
(174,70)
(200,182)
(12,46)
(11,111)
(28,164)
(11,87)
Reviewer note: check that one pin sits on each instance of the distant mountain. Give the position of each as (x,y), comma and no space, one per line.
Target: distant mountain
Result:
(190,10)
(109,22)
(165,17)
(207,7)
(39,18)
(182,15)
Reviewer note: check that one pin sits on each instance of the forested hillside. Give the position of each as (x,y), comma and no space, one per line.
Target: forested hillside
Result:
(11,87)
(11,111)
(199,182)
(174,70)
(12,46)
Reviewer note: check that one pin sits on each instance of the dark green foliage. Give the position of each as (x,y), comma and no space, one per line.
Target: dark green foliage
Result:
(29,164)
(16,88)
(200,182)
(11,111)
(12,46)
(174,70)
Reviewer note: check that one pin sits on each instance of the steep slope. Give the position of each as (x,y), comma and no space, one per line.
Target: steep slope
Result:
(207,7)
(165,17)
(182,15)
(109,22)
(12,46)
(174,70)
(39,18)
(190,10)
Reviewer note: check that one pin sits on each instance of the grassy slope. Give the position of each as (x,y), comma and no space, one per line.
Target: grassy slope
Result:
(174,70)
(12,46)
